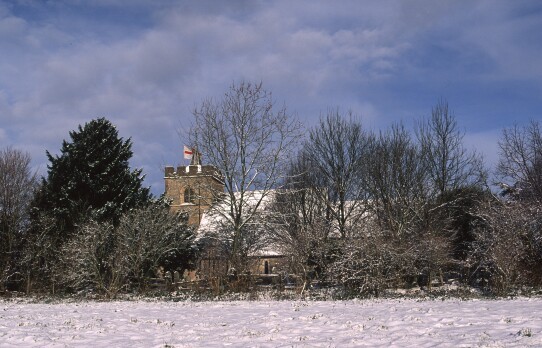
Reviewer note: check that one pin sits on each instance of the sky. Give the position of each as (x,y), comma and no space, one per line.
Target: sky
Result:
(146,64)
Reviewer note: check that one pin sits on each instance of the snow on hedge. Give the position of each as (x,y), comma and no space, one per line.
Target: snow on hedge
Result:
(371,323)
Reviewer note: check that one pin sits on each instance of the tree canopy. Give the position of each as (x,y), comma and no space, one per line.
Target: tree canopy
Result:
(91,178)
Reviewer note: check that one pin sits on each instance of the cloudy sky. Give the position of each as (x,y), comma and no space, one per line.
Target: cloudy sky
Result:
(144,65)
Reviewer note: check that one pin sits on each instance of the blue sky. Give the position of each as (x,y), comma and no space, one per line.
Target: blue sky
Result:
(144,65)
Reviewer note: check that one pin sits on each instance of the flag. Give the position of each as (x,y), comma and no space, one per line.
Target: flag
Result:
(188,152)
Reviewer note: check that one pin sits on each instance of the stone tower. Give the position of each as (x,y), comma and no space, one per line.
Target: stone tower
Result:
(193,188)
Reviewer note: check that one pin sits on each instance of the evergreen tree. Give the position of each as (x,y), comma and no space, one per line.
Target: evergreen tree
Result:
(92,178)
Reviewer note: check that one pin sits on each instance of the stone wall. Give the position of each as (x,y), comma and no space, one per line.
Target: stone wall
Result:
(205,185)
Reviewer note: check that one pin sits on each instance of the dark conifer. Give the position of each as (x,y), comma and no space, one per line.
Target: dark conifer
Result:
(91,178)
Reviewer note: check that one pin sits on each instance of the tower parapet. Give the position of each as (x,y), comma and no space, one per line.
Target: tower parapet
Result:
(193,188)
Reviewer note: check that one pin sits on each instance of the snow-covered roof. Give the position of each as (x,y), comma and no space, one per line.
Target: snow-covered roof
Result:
(217,219)
(218,214)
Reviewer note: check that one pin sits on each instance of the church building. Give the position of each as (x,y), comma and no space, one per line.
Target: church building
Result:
(193,188)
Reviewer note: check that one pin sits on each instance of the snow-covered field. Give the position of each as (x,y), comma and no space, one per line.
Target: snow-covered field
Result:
(371,323)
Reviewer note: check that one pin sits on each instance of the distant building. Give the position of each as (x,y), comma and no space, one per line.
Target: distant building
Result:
(193,189)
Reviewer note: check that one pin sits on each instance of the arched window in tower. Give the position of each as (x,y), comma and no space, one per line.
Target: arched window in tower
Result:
(189,196)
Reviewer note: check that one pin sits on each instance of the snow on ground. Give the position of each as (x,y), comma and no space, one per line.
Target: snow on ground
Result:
(371,323)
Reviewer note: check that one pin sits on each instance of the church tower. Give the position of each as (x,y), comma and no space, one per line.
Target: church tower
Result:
(193,188)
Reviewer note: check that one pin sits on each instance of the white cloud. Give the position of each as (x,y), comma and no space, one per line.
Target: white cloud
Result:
(312,56)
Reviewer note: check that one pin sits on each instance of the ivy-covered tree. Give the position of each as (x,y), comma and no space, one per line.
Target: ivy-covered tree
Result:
(17,185)
(92,178)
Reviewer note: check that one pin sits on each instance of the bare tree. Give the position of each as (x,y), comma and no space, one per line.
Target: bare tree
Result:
(337,153)
(108,259)
(17,184)
(152,237)
(89,261)
(248,139)
(400,184)
(520,163)
(509,248)
(449,164)
(374,263)
(507,251)
(456,181)
(397,181)
(40,253)
(301,225)
(325,196)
